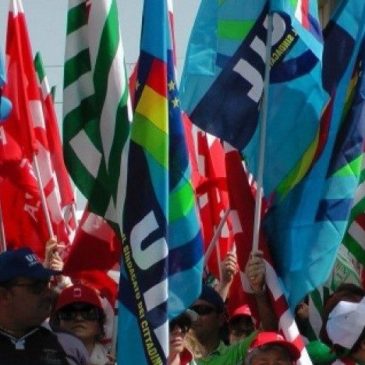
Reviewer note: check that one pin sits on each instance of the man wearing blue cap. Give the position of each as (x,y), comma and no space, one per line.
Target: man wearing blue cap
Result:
(25,302)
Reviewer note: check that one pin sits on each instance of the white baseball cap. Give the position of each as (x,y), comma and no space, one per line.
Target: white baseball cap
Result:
(346,323)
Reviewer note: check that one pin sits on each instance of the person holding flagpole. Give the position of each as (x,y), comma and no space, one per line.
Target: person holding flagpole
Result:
(211,319)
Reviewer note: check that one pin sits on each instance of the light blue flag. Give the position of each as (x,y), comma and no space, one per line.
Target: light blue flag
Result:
(5,104)
(162,250)
(306,228)
(223,82)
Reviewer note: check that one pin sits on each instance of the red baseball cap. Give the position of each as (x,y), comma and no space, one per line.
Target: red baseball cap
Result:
(274,338)
(243,310)
(78,293)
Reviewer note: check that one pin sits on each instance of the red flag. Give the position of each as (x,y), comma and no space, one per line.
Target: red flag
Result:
(209,181)
(26,128)
(21,88)
(95,246)
(53,137)
(23,218)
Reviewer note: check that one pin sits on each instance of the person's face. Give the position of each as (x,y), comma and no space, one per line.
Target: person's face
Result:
(178,333)
(82,320)
(29,302)
(239,328)
(272,356)
(209,320)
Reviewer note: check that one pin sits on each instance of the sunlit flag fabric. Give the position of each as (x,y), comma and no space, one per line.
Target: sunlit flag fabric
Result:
(95,107)
(306,228)
(162,249)
(223,81)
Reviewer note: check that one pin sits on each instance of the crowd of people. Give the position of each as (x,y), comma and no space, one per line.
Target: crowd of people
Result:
(47,319)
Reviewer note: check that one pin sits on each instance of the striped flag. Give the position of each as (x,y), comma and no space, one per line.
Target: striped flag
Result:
(162,249)
(95,108)
(354,239)
(48,139)
(53,135)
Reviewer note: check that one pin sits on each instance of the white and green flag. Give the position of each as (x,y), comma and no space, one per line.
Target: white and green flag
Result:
(96,105)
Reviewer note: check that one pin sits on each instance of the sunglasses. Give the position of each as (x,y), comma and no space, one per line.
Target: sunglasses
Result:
(183,324)
(86,313)
(203,309)
(37,287)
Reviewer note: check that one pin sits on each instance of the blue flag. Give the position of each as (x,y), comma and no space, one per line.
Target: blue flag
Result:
(223,83)
(162,249)
(306,228)
(5,104)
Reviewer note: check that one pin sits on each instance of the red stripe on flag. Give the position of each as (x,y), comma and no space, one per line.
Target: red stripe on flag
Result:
(360,220)
(157,78)
(305,13)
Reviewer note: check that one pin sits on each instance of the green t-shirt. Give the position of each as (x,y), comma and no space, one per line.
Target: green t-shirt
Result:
(228,355)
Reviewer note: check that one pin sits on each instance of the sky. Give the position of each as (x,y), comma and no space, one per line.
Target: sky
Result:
(46,20)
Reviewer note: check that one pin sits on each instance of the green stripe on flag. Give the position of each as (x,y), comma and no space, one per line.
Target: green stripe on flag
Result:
(234,29)
(355,248)
(352,168)
(181,202)
(74,121)
(76,18)
(156,146)
(107,51)
(358,209)
(76,67)
(39,67)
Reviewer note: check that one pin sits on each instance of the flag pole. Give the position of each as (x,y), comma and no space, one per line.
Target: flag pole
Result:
(43,198)
(262,144)
(216,235)
(3,245)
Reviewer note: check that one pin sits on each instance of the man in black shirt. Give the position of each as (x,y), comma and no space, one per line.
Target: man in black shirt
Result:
(25,302)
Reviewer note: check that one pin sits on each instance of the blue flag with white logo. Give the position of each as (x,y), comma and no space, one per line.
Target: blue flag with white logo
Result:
(306,228)
(162,248)
(223,83)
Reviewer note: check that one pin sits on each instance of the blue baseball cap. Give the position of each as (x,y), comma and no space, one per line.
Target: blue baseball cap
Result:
(23,262)
(211,296)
